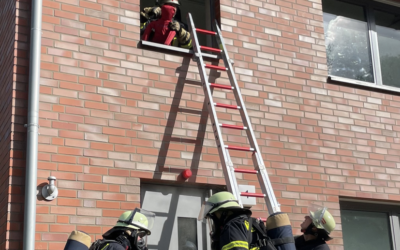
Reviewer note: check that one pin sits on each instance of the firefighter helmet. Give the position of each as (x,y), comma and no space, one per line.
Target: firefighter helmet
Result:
(322,218)
(137,219)
(172,2)
(219,201)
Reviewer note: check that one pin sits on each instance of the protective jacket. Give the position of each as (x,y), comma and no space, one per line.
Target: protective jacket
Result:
(236,233)
(317,244)
(161,27)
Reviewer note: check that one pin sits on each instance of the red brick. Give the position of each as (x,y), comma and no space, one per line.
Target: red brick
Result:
(92,20)
(65,77)
(89,229)
(107,204)
(96,186)
(71,8)
(69,202)
(62,228)
(95,28)
(114,197)
(90,5)
(63,158)
(114,25)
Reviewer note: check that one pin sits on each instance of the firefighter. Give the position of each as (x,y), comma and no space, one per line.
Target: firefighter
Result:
(316,228)
(152,14)
(229,222)
(129,233)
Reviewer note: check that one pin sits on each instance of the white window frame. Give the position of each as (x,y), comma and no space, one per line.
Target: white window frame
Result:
(392,209)
(369,7)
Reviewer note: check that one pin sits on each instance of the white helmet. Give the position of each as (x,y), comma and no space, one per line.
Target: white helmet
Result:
(172,2)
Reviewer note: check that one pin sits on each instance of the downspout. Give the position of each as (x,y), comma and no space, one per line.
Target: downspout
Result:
(32,127)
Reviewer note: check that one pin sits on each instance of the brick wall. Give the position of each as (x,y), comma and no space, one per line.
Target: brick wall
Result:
(13,77)
(113,113)
(14,109)
(7,29)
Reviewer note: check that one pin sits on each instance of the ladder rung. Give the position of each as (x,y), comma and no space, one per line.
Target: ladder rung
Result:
(211,49)
(221,105)
(252,194)
(246,171)
(216,67)
(208,32)
(233,126)
(221,86)
(239,148)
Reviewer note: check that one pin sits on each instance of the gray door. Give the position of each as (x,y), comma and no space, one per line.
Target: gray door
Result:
(176,226)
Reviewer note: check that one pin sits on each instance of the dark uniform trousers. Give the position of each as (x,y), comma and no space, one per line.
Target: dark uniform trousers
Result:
(301,244)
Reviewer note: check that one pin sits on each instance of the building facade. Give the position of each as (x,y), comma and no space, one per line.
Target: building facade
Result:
(120,120)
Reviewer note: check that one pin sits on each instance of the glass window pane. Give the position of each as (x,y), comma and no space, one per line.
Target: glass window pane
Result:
(187,233)
(360,230)
(346,40)
(388,29)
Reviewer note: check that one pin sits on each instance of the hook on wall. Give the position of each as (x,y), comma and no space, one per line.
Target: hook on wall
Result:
(50,191)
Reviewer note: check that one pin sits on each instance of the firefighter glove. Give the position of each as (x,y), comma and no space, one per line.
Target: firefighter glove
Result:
(183,36)
(175,25)
(151,12)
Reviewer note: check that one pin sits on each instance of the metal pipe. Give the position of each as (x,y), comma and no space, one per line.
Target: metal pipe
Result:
(32,127)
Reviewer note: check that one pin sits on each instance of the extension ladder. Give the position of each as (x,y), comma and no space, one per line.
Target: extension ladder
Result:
(223,149)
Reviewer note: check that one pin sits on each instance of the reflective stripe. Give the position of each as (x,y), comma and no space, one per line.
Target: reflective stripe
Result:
(105,246)
(188,45)
(242,244)
(255,248)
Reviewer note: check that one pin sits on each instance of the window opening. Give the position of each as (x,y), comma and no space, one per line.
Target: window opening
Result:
(362,221)
(204,12)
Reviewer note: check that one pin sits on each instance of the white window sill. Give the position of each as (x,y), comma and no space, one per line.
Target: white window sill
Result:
(363,84)
(168,48)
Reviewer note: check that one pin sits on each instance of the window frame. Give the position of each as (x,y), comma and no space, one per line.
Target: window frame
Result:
(392,209)
(369,7)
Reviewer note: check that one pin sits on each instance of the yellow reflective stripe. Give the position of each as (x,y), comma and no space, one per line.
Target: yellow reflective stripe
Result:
(175,42)
(255,248)
(246,223)
(237,243)
(105,246)
(188,45)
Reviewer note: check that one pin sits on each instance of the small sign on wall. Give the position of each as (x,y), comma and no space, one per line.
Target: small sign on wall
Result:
(248,202)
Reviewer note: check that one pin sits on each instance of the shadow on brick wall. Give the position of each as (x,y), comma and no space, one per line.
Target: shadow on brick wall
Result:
(174,110)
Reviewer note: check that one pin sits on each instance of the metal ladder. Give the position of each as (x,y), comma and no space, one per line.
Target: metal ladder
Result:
(223,149)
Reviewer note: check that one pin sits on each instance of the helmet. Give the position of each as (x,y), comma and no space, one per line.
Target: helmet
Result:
(173,2)
(321,218)
(137,219)
(221,200)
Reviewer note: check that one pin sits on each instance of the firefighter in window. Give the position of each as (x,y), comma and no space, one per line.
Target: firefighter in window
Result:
(130,233)
(163,24)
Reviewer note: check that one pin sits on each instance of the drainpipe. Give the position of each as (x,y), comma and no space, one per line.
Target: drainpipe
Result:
(32,127)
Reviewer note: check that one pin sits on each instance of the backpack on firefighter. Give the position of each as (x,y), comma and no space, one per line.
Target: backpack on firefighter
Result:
(100,244)
(276,235)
